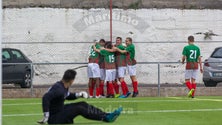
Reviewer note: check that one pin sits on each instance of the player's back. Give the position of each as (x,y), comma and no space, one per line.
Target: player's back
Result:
(94,56)
(192,52)
(109,59)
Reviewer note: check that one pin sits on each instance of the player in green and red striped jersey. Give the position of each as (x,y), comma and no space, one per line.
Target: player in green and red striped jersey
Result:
(191,53)
(102,69)
(121,67)
(131,63)
(94,71)
(110,66)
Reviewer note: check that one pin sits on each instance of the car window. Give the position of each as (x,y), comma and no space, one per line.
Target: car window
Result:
(5,55)
(217,53)
(17,55)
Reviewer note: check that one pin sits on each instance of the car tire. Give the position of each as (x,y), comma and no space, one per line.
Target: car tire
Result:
(27,80)
(210,83)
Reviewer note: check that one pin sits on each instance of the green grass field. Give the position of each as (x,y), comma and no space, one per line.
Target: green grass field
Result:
(137,111)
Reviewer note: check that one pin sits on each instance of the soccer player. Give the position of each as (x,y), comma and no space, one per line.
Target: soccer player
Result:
(131,63)
(56,112)
(191,53)
(93,71)
(121,67)
(110,67)
(102,69)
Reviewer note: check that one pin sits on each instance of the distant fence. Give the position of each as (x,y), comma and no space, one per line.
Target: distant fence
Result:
(51,59)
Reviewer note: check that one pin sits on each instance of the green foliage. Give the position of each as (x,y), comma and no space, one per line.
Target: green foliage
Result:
(135,5)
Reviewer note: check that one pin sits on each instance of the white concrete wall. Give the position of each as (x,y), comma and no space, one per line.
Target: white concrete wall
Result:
(147,25)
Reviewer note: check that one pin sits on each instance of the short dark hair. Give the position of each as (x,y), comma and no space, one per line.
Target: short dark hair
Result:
(119,38)
(129,38)
(191,38)
(69,75)
(108,45)
(102,40)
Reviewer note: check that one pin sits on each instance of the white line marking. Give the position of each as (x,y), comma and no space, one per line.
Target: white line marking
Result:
(16,115)
(125,101)
(131,112)
(105,101)
(201,99)
(168,111)
(216,100)
(21,104)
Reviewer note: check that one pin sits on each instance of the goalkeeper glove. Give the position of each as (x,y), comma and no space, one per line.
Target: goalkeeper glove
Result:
(44,119)
(82,94)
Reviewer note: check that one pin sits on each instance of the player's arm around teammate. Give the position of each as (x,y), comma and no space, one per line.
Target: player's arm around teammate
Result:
(110,67)
(121,67)
(56,112)
(192,56)
(131,63)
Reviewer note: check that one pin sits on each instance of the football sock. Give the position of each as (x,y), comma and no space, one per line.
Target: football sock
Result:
(189,86)
(116,87)
(97,91)
(194,87)
(101,87)
(111,89)
(107,89)
(135,86)
(124,87)
(90,91)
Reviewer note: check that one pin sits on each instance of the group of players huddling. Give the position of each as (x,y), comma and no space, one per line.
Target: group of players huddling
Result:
(108,64)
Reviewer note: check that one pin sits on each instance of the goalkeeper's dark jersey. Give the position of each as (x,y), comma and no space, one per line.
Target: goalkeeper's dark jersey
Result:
(53,100)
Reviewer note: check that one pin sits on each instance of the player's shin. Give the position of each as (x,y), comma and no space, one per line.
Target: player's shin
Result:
(107,89)
(123,86)
(101,86)
(97,88)
(116,87)
(188,84)
(135,86)
(111,89)
(194,85)
(91,87)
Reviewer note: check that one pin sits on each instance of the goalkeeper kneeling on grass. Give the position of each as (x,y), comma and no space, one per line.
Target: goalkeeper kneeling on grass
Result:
(56,112)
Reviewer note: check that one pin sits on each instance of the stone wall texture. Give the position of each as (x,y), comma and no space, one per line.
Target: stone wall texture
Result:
(125,4)
(152,31)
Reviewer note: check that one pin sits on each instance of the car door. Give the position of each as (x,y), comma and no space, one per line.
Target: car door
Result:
(19,69)
(7,69)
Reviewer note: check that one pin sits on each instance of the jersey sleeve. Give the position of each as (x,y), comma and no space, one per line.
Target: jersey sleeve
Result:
(184,51)
(98,46)
(129,48)
(121,47)
(71,96)
(103,52)
(198,53)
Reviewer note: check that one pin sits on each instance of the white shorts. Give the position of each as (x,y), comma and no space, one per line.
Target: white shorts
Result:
(110,75)
(121,72)
(191,74)
(102,74)
(93,70)
(131,70)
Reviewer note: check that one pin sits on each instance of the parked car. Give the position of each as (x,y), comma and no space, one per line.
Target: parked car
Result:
(212,74)
(16,73)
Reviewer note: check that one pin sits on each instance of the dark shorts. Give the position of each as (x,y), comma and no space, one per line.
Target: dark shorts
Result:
(64,117)
(70,111)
